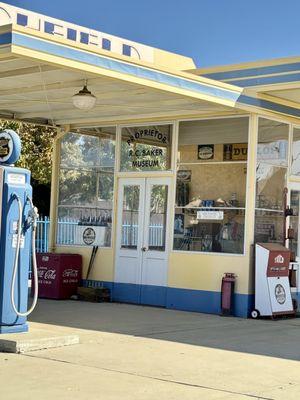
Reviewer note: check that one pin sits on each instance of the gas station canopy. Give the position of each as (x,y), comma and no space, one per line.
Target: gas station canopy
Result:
(44,62)
(40,72)
(276,81)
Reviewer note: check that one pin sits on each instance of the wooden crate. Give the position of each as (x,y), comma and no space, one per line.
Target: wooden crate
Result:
(95,295)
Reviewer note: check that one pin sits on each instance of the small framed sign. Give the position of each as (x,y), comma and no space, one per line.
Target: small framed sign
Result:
(206,151)
(235,152)
(212,215)
(184,175)
(89,236)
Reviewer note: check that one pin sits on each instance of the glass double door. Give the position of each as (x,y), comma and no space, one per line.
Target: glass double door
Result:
(142,240)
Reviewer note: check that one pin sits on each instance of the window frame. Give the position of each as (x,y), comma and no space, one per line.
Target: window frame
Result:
(287,167)
(78,132)
(176,164)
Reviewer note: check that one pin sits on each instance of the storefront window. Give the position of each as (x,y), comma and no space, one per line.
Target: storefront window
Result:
(295,167)
(146,148)
(86,186)
(271,175)
(211,186)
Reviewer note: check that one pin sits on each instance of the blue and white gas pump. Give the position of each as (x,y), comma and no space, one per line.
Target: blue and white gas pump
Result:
(18,219)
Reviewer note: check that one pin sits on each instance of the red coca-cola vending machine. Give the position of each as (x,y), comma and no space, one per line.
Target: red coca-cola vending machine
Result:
(59,275)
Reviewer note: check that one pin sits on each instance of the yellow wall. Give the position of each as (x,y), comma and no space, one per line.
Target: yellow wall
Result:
(103,269)
(205,271)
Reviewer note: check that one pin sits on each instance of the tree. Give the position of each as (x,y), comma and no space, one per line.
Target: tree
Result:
(36,152)
(36,156)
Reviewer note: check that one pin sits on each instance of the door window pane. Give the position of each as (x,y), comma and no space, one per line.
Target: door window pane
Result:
(130,217)
(158,216)
(146,148)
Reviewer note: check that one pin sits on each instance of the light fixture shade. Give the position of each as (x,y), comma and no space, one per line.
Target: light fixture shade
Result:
(84,99)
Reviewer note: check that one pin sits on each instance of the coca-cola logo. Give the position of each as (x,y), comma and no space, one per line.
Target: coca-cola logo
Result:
(70,273)
(47,274)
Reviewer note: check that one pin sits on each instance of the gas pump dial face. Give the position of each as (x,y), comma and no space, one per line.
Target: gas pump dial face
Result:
(10,147)
(6,146)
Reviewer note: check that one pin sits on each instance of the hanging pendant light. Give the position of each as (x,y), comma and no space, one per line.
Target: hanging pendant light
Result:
(84,99)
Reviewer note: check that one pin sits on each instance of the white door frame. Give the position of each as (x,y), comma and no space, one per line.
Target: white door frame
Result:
(133,276)
(134,266)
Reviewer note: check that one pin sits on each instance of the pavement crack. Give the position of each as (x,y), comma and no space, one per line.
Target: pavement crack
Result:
(168,332)
(191,329)
(176,382)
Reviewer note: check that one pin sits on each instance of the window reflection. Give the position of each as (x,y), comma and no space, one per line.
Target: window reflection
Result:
(271,175)
(130,217)
(158,215)
(86,185)
(295,167)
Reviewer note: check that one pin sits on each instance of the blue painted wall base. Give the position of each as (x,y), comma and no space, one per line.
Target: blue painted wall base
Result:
(175,298)
(13,328)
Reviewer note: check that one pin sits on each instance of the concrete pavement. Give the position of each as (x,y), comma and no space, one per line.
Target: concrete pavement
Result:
(133,352)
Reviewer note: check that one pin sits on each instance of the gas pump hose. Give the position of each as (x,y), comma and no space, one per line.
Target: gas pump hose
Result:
(16,260)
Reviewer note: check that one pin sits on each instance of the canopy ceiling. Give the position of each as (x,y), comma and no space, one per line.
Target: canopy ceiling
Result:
(39,74)
(33,91)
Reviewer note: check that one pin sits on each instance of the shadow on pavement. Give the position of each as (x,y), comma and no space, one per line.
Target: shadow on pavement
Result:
(263,337)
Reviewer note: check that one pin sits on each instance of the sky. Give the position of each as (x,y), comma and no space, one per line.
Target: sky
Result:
(212,32)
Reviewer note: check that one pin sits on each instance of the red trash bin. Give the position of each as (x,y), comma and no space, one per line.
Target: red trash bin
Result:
(227,293)
(59,275)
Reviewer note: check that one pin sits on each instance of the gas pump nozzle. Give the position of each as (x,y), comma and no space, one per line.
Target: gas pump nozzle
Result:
(31,221)
(33,215)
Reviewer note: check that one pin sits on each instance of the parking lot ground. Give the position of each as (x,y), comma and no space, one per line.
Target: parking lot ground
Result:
(136,352)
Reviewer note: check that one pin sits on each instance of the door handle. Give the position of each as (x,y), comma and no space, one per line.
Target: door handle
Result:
(144,249)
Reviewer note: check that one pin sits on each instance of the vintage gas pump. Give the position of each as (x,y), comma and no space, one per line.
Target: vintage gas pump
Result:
(272,285)
(18,219)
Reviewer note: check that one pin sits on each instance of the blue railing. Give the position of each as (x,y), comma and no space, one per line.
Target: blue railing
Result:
(67,233)
(42,235)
